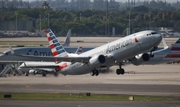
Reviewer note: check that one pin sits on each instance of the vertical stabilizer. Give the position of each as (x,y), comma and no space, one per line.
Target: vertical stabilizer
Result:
(164,44)
(176,46)
(67,40)
(56,48)
(79,50)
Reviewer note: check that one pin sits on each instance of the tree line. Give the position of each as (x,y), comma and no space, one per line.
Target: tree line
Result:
(96,22)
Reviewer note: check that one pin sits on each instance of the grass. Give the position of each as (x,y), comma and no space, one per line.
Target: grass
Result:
(81,97)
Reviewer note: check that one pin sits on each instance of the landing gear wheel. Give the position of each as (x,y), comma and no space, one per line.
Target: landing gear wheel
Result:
(56,74)
(120,71)
(34,73)
(96,72)
(92,73)
(43,74)
(27,73)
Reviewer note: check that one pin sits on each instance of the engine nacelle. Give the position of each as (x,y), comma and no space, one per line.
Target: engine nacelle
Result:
(32,71)
(138,59)
(99,59)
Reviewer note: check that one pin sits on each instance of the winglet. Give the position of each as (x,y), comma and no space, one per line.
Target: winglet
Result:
(165,44)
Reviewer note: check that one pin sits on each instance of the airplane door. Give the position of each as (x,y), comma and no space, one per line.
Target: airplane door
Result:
(139,41)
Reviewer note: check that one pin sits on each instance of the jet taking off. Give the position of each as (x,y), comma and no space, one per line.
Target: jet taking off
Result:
(103,56)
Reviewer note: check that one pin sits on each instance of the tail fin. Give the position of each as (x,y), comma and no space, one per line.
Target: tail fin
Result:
(176,46)
(56,48)
(79,50)
(67,40)
(164,44)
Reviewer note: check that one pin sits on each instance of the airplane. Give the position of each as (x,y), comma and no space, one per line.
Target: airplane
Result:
(160,56)
(32,70)
(103,56)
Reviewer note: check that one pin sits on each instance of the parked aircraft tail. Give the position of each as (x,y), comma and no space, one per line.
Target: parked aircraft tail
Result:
(175,50)
(56,48)
(67,40)
(176,46)
(165,44)
(79,50)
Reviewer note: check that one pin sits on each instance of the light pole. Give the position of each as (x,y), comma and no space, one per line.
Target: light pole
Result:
(40,22)
(48,19)
(107,23)
(129,23)
(16,21)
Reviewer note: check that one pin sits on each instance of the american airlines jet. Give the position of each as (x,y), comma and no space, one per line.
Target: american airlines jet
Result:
(103,56)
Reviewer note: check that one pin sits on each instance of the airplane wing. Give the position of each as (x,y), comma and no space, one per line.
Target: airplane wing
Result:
(39,66)
(59,59)
(52,58)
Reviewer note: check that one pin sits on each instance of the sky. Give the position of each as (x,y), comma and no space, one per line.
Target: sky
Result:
(123,0)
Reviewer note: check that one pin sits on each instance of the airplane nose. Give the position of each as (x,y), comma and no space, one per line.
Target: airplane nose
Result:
(158,38)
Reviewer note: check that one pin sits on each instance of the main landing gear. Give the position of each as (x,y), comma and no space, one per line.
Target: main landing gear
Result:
(95,72)
(43,73)
(120,70)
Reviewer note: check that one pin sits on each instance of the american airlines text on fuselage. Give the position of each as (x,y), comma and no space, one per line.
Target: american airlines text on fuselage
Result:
(42,53)
(117,46)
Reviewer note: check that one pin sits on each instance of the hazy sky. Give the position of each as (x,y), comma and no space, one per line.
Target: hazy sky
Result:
(123,0)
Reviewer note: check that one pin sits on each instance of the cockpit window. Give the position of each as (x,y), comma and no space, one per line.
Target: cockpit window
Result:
(152,33)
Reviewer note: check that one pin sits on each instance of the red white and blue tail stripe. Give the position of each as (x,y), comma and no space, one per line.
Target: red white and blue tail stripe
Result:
(176,46)
(175,50)
(56,48)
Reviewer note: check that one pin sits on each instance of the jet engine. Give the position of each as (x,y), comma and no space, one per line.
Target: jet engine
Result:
(138,59)
(99,59)
(32,71)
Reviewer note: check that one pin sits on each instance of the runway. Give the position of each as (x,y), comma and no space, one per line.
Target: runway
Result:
(124,89)
(139,80)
